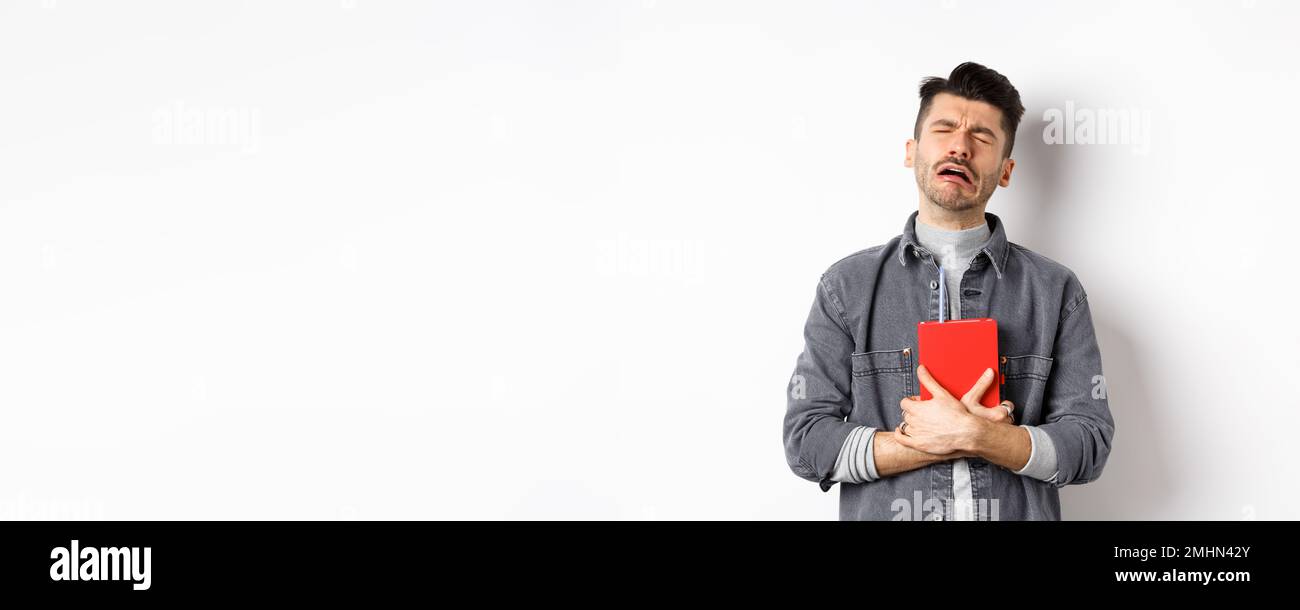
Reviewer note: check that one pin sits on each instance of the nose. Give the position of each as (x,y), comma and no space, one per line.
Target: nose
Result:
(957,148)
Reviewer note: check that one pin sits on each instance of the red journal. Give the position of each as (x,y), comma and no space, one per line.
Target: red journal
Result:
(957,352)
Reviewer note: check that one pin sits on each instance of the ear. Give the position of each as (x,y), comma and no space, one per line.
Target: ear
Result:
(910,151)
(1007,166)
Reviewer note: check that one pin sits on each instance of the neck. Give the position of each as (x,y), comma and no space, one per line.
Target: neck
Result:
(949,220)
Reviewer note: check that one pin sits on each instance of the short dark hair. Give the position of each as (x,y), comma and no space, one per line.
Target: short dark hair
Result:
(975,82)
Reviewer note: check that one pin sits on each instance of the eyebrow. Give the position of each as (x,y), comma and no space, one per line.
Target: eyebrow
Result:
(974,128)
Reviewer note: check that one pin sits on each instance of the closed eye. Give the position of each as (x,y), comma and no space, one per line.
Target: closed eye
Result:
(946,130)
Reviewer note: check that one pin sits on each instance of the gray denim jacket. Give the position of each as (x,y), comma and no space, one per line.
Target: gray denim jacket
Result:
(859,361)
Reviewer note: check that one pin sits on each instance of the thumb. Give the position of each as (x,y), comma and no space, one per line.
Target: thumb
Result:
(972,398)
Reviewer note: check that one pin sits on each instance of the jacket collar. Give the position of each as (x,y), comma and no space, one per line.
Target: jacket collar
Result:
(995,248)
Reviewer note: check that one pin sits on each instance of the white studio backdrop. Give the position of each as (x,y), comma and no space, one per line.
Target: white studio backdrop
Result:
(369,259)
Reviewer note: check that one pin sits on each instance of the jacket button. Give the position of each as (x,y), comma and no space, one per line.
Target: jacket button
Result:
(934,284)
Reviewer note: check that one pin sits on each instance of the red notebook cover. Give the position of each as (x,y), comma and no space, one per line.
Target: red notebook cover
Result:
(957,352)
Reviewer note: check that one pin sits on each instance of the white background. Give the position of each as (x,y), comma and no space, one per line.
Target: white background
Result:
(551,260)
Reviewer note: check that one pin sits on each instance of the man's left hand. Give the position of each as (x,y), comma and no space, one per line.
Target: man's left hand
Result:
(943,424)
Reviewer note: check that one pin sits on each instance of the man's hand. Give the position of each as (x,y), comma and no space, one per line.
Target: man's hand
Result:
(1001,414)
(944,424)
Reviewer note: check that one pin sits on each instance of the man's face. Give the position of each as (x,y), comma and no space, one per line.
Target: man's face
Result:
(959,136)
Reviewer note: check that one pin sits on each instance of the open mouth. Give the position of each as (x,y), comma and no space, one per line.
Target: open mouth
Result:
(955,173)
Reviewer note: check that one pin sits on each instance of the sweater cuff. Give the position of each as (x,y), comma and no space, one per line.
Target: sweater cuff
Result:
(1042,456)
(870,457)
(855,462)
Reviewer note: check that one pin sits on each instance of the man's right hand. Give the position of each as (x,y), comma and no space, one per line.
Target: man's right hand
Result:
(893,457)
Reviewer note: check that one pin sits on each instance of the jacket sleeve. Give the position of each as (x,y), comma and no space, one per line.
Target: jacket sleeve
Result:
(818,399)
(1076,410)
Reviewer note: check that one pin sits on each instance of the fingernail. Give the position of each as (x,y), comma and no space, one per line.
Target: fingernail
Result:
(988,372)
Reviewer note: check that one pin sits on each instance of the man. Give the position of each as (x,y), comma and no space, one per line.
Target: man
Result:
(854,413)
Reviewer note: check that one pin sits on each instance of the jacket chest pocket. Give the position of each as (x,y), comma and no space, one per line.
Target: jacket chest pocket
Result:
(881,379)
(1024,381)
